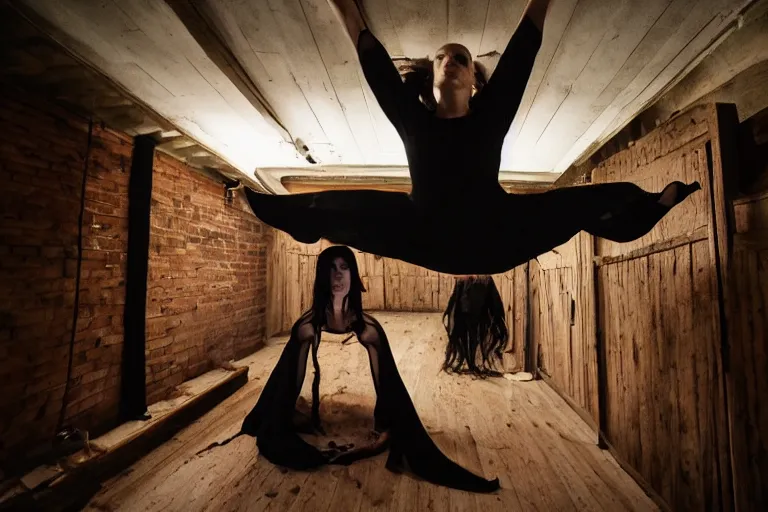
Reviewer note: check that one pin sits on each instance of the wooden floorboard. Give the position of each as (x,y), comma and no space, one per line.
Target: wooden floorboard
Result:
(523,432)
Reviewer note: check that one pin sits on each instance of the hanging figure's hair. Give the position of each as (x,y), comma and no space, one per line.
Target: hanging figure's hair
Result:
(474,321)
(419,77)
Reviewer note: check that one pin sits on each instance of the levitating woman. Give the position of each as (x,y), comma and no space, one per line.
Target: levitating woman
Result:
(457,218)
(337,307)
(476,327)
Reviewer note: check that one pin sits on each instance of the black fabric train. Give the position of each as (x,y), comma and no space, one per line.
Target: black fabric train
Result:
(272,419)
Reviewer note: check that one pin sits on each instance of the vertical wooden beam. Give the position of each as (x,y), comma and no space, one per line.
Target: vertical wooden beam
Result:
(602,376)
(722,160)
(724,136)
(532,354)
(133,395)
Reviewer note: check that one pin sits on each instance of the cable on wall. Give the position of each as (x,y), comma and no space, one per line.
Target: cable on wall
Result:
(76,308)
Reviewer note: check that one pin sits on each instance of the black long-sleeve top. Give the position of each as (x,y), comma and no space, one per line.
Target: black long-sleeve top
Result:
(454,159)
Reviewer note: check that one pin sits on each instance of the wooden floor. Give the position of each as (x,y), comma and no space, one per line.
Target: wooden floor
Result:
(522,432)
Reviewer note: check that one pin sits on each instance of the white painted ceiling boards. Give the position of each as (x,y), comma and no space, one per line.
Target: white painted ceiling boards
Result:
(601,62)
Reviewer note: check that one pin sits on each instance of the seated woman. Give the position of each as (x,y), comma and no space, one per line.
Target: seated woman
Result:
(476,327)
(337,307)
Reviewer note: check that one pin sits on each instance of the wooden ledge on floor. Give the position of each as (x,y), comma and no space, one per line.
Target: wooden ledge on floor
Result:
(584,415)
(56,489)
(603,442)
(645,486)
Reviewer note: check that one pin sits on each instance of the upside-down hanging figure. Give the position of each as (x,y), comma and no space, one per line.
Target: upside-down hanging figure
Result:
(457,218)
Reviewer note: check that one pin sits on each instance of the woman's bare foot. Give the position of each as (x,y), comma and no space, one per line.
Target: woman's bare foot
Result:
(669,195)
(676,191)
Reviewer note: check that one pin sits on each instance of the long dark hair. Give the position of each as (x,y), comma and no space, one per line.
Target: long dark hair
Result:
(322,295)
(321,299)
(418,76)
(476,327)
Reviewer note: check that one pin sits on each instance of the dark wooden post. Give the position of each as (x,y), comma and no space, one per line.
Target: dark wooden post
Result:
(133,393)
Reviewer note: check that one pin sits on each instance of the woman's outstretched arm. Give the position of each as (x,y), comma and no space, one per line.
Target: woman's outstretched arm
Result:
(536,10)
(379,70)
(501,97)
(349,14)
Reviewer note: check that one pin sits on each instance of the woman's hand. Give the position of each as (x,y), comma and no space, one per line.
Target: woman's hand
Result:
(347,454)
(537,12)
(349,14)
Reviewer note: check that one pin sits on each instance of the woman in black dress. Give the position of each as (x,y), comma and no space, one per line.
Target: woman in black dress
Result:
(337,307)
(457,218)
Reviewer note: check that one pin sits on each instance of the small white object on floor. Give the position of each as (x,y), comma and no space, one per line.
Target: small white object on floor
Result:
(519,376)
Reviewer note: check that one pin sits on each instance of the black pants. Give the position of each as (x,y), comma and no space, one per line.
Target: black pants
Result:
(468,237)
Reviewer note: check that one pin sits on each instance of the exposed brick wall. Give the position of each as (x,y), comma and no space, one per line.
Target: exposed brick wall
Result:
(206,287)
(42,152)
(95,388)
(206,291)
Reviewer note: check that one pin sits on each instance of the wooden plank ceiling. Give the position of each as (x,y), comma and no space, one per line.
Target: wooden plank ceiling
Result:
(249,78)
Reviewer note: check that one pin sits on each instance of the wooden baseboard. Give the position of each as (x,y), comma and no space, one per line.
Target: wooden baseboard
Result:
(637,477)
(80,484)
(603,443)
(584,415)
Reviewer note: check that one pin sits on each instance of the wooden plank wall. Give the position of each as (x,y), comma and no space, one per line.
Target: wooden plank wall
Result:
(562,320)
(659,323)
(291,276)
(392,286)
(513,288)
(748,337)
